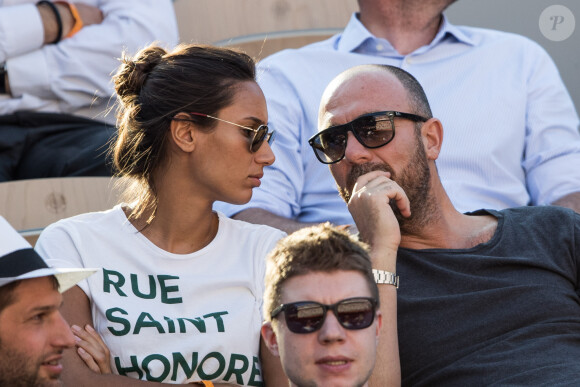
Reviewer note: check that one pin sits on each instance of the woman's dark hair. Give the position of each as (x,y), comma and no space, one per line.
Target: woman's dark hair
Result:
(155,85)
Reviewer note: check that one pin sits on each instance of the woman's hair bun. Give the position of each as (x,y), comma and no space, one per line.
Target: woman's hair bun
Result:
(133,73)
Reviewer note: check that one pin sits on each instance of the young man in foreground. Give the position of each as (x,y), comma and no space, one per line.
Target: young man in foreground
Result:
(321,305)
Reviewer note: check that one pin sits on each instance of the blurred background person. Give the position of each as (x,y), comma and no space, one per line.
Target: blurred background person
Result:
(56,61)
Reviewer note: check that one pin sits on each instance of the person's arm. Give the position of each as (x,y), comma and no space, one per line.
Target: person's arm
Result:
(88,14)
(571,201)
(18,37)
(259,216)
(552,146)
(41,28)
(95,354)
(77,70)
(387,371)
(76,311)
(92,349)
(378,227)
(57,247)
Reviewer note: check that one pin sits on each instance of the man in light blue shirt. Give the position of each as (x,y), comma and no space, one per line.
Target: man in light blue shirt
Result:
(511,134)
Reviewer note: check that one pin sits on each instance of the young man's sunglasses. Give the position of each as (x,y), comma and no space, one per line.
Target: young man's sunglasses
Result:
(309,316)
(260,134)
(372,130)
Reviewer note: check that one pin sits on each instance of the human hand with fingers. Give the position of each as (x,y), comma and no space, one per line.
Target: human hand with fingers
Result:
(370,208)
(92,349)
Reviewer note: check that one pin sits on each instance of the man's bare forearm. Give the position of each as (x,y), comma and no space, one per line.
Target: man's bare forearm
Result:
(259,216)
(88,13)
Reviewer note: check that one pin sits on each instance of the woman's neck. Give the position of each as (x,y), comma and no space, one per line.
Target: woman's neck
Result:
(181,224)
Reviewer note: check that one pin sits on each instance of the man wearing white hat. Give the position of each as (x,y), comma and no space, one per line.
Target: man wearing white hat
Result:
(33,333)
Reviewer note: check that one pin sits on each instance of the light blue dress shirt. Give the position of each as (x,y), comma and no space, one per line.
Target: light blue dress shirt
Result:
(510,128)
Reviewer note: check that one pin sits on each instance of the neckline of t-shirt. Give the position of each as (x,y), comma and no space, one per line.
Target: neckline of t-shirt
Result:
(132,230)
(485,245)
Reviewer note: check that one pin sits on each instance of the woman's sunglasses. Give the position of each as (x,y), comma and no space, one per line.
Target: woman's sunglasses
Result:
(260,134)
(309,316)
(372,130)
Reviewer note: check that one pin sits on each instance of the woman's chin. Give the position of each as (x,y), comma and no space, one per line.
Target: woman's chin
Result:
(238,200)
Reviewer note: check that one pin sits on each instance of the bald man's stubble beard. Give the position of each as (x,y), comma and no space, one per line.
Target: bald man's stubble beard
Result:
(414,179)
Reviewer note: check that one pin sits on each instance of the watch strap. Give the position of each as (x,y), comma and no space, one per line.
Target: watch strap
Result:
(386,278)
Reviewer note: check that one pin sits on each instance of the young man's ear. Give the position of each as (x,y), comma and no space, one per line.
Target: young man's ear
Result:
(432,135)
(269,337)
(183,132)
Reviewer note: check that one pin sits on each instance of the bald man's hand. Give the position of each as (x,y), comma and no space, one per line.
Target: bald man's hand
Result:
(370,209)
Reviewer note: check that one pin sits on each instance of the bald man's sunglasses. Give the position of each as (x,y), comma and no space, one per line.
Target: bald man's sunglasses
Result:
(309,316)
(372,130)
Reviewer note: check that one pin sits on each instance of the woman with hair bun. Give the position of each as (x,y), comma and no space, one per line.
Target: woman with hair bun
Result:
(179,296)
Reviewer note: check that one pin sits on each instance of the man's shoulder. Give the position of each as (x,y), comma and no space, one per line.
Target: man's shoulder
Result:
(545,219)
(247,229)
(490,37)
(317,48)
(539,214)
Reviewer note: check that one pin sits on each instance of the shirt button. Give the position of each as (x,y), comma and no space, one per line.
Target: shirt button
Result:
(380,47)
(408,60)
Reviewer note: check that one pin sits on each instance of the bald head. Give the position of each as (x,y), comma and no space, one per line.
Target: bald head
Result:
(374,88)
(409,156)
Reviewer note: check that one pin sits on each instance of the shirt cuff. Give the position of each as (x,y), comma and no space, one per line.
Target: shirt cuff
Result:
(21,29)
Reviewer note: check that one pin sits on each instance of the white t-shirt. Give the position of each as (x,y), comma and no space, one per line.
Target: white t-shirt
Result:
(175,318)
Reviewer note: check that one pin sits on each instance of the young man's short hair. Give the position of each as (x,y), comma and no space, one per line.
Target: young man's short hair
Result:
(321,248)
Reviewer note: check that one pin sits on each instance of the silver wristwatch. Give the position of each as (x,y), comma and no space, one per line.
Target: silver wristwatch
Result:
(386,277)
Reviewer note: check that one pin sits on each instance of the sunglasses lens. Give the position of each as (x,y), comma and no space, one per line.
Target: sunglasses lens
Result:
(259,137)
(373,131)
(355,314)
(330,145)
(307,317)
(304,317)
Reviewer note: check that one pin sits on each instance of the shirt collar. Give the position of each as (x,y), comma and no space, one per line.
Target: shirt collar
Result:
(356,35)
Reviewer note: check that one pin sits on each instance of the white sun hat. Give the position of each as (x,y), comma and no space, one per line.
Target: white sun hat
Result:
(19,261)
